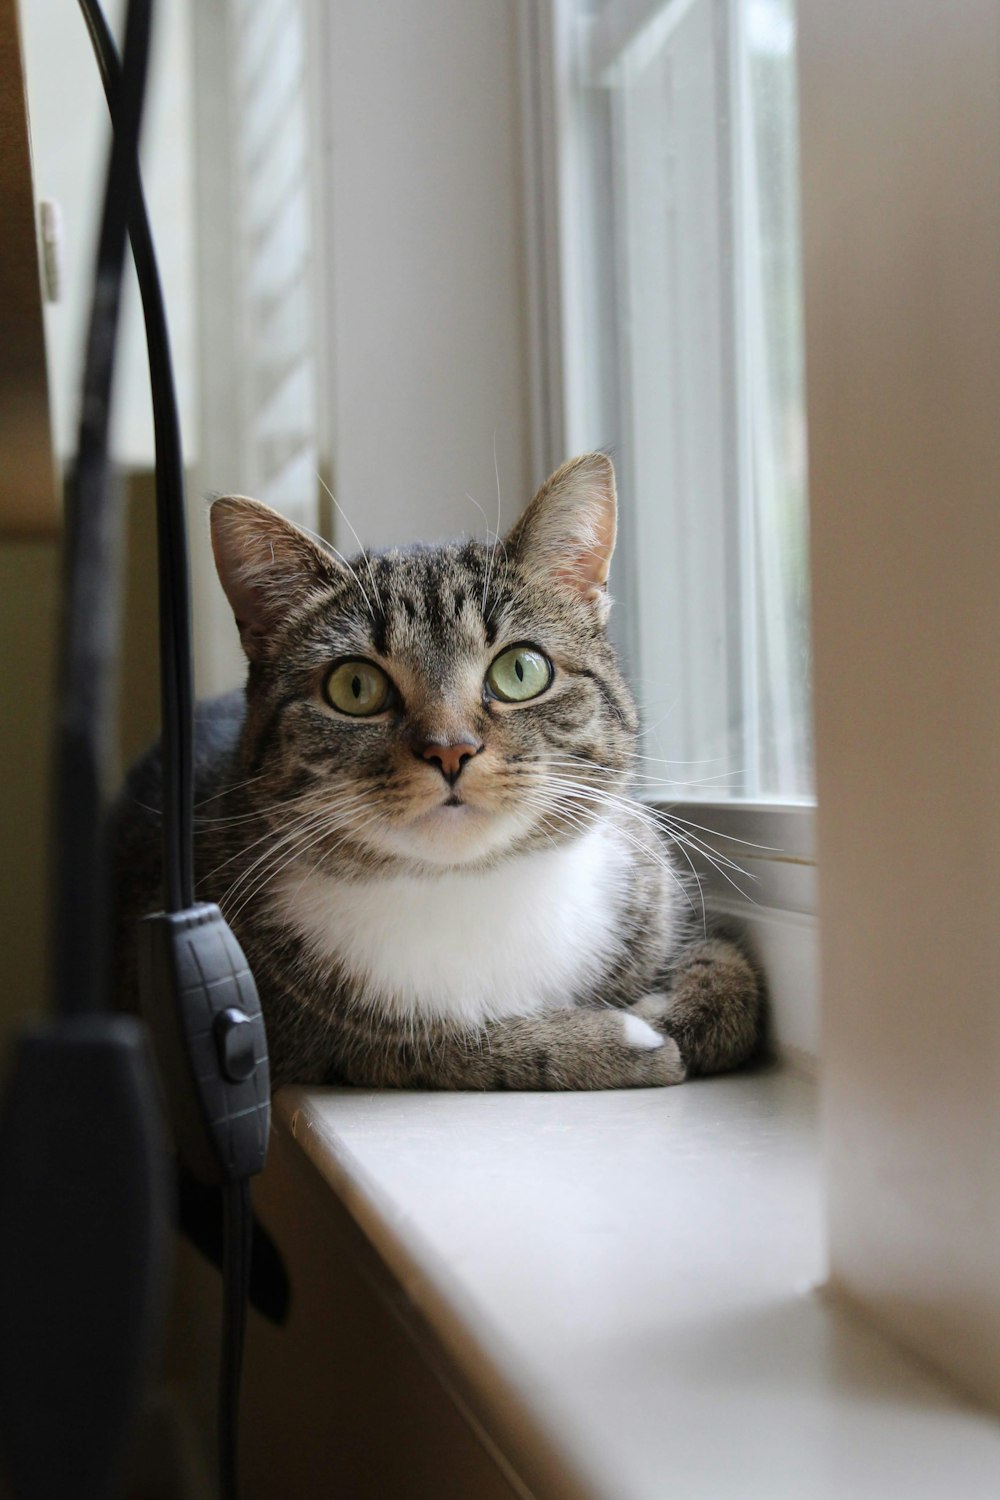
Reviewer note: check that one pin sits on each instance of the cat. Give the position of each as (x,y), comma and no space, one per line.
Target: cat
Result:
(417,817)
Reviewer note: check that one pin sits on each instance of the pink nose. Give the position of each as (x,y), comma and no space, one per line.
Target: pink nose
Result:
(451,759)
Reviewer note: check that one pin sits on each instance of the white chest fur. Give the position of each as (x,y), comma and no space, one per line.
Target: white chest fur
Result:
(470,945)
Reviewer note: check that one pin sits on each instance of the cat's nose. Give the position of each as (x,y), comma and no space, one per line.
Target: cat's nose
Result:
(451,759)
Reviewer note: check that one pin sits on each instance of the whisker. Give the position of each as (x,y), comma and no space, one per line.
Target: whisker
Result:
(626,774)
(260,812)
(268,865)
(236,786)
(564,808)
(344,561)
(661,813)
(482,512)
(326,809)
(246,848)
(313,817)
(351,833)
(713,857)
(701,849)
(274,850)
(341,511)
(496,537)
(730,837)
(658,816)
(302,847)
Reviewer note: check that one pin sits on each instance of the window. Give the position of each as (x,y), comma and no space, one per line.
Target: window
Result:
(671,175)
(663,324)
(685,130)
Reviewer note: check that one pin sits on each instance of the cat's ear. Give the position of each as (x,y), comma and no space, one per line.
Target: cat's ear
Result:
(567,533)
(266,565)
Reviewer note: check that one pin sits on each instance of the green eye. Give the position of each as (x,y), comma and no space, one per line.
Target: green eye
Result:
(519,674)
(358,688)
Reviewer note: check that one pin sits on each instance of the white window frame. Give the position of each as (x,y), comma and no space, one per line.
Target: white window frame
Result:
(773,842)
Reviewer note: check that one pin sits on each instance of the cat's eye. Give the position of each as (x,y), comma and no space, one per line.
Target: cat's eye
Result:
(519,674)
(358,688)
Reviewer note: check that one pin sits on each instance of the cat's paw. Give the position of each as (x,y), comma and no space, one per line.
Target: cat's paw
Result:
(607,1049)
(654,1011)
(658,1060)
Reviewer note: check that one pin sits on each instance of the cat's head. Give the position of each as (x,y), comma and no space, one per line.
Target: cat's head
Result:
(442,705)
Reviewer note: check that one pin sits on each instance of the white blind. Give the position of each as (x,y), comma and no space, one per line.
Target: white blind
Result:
(277,347)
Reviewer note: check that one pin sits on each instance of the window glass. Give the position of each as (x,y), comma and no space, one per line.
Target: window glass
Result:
(686,142)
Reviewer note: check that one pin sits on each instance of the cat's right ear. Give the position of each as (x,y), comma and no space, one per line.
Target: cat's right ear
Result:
(267,567)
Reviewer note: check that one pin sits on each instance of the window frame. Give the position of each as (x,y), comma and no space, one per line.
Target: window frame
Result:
(773,841)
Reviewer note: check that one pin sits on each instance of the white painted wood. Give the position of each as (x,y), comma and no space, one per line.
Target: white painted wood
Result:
(219,661)
(785,943)
(545,32)
(426,272)
(620,24)
(623,1286)
(900,124)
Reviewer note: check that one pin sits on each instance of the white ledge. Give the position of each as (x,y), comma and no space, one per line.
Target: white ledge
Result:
(622,1290)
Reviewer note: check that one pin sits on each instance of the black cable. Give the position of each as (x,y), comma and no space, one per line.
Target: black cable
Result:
(237,1238)
(176,690)
(177,745)
(82,1264)
(87,677)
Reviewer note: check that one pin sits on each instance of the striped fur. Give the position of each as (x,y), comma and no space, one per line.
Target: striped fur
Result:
(524,929)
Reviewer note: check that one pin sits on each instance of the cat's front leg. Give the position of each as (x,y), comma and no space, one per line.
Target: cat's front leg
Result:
(580,1048)
(711,1005)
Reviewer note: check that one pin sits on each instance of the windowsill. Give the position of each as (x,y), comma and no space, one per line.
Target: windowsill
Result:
(621,1290)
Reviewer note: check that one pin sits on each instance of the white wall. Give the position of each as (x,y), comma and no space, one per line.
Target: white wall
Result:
(424,271)
(900,124)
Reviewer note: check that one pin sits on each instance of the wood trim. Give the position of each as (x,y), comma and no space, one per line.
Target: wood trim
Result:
(29,504)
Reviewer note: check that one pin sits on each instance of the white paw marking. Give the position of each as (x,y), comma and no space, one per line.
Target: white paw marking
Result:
(640,1035)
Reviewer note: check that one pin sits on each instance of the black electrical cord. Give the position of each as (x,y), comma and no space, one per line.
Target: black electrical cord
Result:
(177,736)
(237,1236)
(82,1185)
(87,677)
(176,690)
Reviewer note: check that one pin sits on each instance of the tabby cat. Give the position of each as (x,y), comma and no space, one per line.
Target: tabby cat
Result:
(417,820)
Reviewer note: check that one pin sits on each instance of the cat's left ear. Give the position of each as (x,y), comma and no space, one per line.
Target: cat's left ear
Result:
(567,533)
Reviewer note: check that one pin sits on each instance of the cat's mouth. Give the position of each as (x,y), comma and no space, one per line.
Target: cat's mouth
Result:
(454,830)
(454,804)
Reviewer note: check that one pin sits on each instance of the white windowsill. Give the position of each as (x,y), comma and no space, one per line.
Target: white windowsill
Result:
(621,1289)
